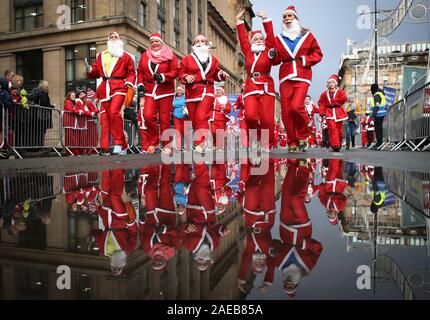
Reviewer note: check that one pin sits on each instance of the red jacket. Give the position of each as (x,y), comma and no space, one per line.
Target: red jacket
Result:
(88,107)
(221,111)
(74,115)
(123,70)
(212,233)
(204,82)
(298,65)
(239,106)
(168,70)
(257,63)
(326,104)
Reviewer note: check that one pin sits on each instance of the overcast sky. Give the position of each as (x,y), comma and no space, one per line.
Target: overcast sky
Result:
(333,22)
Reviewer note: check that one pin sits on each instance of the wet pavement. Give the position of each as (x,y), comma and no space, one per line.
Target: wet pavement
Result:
(279,229)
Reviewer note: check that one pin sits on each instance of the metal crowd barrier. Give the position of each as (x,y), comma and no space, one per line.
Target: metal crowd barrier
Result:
(34,128)
(80,132)
(3,129)
(408,122)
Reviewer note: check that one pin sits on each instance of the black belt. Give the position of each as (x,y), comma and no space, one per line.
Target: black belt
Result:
(333,107)
(112,78)
(204,82)
(259,74)
(116,229)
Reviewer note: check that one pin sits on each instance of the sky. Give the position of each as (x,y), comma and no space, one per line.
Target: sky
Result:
(333,22)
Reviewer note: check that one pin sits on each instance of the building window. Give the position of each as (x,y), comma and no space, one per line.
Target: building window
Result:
(189,25)
(161,22)
(143,13)
(79,8)
(29,64)
(28,14)
(176,25)
(75,57)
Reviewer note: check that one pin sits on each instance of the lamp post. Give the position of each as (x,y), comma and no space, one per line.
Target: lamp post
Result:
(376,43)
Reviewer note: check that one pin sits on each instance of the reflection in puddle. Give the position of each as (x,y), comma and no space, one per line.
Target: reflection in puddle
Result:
(218,231)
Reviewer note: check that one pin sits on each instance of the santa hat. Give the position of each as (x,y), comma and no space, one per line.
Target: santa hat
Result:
(156,36)
(335,77)
(333,220)
(291,9)
(221,87)
(292,292)
(113,33)
(200,36)
(255,34)
(82,95)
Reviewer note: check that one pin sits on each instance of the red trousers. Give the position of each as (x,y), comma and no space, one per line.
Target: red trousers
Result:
(215,126)
(200,112)
(243,133)
(112,123)
(156,111)
(260,192)
(260,115)
(294,115)
(179,125)
(364,138)
(113,185)
(335,132)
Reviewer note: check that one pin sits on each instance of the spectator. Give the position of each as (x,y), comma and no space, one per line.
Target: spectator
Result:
(70,122)
(353,110)
(20,116)
(6,102)
(19,80)
(9,74)
(42,117)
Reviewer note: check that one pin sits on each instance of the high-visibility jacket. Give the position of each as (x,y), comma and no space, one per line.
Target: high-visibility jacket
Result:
(382,111)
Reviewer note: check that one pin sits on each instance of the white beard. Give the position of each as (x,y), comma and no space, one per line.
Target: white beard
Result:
(202,52)
(204,253)
(223,99)
(292,32)
(258,48)
(118,259)
(116,48)
(292,273)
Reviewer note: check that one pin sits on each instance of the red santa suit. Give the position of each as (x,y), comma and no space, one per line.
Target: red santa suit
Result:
(239,106)
(74,122)
(201,202)
(89,137)
(205,233)
(259,200)
(259,93)
(295,223)
(331,192)
(200,95)
(312,109)
(148,187)
(368,129)
(283,139)
(219,119)
(158,95)
(295,76)
(330,104)
(219,183)
(111,93)
(114,221)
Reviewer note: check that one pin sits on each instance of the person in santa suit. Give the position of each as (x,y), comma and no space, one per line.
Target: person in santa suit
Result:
(297,253)
(331,110)
(298,51)
(199,71)
(283,139)
(74,123)
(259,212)
(116,67)
(332,191)
(158,69)
(116,236)
(201,207)
(148,188)
(259,93)
(311,109)
(159,234)
(368,129)
(88,137)
(219,183)
(240,107)
(219,119)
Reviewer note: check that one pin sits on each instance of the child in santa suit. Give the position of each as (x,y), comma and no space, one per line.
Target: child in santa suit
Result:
(219,119)
(331,110)
(219,183)
(116,68)
(368,129)
(259,93)
(198,72)
(311,109)
(158,69)
(88,137)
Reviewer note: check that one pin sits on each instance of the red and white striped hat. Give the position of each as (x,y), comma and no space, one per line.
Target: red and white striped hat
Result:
(90,93)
